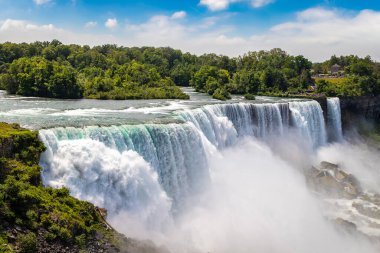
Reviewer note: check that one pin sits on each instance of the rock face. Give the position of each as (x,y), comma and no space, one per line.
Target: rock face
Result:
(355,109)
(347,205)
(329,179)
(369,107)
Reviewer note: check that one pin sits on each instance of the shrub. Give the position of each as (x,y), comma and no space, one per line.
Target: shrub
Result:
(27,243)
(249,97)
(221,94)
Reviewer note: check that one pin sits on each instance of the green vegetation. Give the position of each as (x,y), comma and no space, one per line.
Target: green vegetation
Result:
(29,211)
(339,81)
(51,69)
(362,77)
(249,96)
(269,72)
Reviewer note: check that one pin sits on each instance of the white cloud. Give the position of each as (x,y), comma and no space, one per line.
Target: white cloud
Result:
(316,33)
(217,5)
(179,15)
(260,3)
(20,25)
(90,24)
(315,14)
(24,31)
(41,2)
(111,23)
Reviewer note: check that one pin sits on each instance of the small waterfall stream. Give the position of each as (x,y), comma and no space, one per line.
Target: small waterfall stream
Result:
(334,119)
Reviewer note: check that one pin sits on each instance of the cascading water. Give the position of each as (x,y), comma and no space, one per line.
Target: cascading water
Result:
(150,171)
(334,120)
(223,124)
(308,118)
(174,153)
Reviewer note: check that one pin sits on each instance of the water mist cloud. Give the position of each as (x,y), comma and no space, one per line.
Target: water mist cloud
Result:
(256,203)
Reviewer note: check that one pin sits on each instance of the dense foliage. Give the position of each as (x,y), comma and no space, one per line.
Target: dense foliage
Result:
(361,77)
(51,69)
(30,212)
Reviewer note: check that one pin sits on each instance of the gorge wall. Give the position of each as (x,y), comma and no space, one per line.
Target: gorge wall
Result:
(355,109)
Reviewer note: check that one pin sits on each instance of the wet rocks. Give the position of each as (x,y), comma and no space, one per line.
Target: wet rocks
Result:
(346,225)
(328,178)
(351,208)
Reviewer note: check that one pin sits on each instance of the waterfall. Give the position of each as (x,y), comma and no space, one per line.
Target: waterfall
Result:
(334,120)
(88,161)
(308,118)
(224,124)
(150,170)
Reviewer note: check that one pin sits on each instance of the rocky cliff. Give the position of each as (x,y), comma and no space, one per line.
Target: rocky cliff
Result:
(356,108)
(368,107)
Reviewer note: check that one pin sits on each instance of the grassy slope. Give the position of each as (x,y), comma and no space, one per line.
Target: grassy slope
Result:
(339,81)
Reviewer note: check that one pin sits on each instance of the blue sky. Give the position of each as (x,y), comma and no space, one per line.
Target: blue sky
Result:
(314,28)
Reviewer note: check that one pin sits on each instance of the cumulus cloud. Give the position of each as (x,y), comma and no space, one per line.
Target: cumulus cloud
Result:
(41,2)
(179,15)
(111,23)
(316,33)
(217,5)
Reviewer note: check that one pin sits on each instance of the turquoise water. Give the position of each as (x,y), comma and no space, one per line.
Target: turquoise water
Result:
(42,113)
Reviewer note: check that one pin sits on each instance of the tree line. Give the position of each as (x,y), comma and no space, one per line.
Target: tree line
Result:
(361,77)
(52,69)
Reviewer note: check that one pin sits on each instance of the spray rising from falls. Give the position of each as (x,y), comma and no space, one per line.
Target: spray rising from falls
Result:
(150,171)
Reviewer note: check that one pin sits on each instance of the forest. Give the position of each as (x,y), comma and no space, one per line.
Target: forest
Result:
(52,69)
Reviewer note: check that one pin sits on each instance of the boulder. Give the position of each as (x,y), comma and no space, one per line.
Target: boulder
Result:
(328,178)
(346,225)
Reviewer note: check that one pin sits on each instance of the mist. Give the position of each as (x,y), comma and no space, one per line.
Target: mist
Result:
(256,202)
(357,158)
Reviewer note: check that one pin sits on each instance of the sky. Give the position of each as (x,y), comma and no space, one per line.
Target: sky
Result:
(316,29)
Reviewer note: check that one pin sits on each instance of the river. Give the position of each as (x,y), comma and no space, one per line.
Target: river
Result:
(203,175)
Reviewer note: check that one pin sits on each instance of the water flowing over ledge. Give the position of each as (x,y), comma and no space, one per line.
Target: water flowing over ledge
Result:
(159,165)
(334,119)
